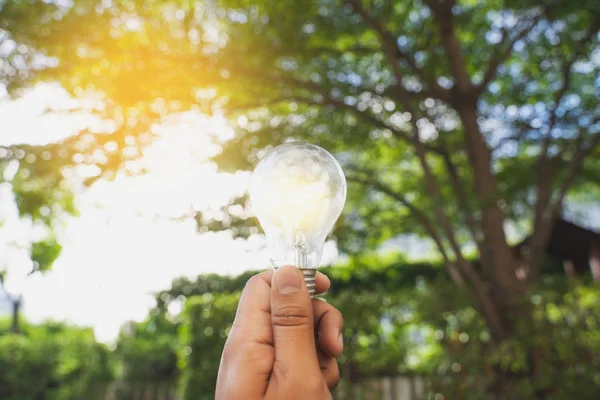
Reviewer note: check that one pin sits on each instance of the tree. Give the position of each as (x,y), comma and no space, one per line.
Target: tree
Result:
(34,175)
(66,362)
(451,118)
(40,195)
(403,319)
(149,359)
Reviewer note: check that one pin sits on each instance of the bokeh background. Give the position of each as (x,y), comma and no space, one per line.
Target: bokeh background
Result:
(466,262)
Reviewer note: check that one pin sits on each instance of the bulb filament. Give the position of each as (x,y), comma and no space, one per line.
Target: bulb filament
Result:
(300,259)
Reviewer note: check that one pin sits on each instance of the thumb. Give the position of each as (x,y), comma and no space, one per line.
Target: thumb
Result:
(292,319)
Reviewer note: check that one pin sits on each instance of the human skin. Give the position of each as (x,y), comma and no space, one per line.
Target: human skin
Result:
(282,344)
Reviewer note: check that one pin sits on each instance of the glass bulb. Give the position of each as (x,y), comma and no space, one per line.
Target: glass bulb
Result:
(297,191)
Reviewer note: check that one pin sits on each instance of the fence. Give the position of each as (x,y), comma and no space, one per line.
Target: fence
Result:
(388,388)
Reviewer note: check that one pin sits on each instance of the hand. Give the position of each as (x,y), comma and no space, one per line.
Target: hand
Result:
(282,345)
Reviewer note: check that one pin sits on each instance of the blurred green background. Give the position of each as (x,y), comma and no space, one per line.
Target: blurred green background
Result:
(466,262)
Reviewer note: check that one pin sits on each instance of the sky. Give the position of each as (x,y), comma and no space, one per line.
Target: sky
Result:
(128,241)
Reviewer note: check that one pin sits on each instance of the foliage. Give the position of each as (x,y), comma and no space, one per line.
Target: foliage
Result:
(148,355)
(392,273)
(452,119)
(562,337)
(5,325)
(370,272)
(36,178)
(425,327)
(327,72)
(207,321)
(53,361)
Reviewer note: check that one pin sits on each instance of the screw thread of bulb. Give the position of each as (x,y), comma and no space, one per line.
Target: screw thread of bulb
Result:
(310,278)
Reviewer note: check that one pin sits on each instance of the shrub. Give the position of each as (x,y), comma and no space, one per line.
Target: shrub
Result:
(206,323)
(53,362)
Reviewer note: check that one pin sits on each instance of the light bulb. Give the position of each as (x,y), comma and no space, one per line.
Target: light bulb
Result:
(297,192)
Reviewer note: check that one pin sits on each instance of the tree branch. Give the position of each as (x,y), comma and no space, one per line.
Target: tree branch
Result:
(547,211)
(419,215)
(496,248)
(433,188)
(522,130)
(458,269)
(332,101)
(431,182)
(489,309)
(442,11)
(578,51)
(394,53)
(463,201)
(457,184)
(503,52)
(465,266)
(576,162)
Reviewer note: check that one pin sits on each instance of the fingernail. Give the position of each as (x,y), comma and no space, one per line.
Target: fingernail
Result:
(288,280)
(341,340)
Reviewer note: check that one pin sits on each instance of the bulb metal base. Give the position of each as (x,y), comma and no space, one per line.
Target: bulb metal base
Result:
(310,278)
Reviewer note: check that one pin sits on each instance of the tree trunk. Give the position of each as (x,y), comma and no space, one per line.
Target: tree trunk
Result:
(498,252)
(16,307)
(500,266)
